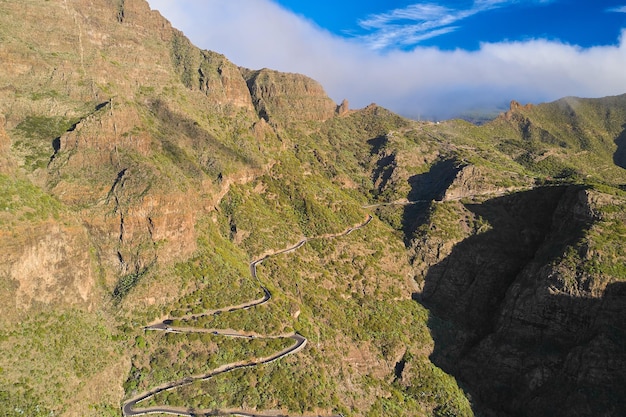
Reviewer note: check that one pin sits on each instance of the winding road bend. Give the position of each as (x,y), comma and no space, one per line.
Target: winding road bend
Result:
(299,342)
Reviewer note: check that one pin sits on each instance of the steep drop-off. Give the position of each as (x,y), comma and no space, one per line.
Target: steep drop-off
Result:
(518,312)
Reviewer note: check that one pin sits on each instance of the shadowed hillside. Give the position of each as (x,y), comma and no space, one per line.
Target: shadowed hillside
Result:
(511,319)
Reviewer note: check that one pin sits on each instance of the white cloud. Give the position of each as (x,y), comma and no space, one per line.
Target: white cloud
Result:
(420,21)
(620,9)
(426,81)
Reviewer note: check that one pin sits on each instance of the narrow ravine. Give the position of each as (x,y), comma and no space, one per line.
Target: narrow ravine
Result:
(130,407)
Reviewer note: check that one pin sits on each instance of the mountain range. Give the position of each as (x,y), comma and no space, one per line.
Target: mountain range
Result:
(180,234)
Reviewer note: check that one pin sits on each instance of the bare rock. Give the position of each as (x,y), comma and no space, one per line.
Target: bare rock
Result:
(527,328)
(343,108)
(281,96)
(49,264)
(6,163)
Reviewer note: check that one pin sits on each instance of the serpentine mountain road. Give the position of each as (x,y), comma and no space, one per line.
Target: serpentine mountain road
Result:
(128,409)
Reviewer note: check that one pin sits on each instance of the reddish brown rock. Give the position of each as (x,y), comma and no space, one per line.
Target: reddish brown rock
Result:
(281,96)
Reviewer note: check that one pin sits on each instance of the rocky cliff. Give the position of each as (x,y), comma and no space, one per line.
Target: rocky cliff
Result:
(281,97)
(139,176)
(522,273)
(106,74)
(518,314)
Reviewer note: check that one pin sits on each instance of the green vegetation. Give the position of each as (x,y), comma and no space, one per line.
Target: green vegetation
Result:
(185,57)
(176,181)
(57,353)
(20,200)
(312,283)
(433,386)
(22,402)
(298,386)
(164,357)
(292,205)
(43,127)
(127,283)
(36,136)
(217,275)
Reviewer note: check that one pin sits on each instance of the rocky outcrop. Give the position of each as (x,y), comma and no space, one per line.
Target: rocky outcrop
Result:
(48,264)
(344,108)
(97,139)
(6,163)
(514,107)
(222,81)
(474,181)
(211,73)
(528,331)
(280,96)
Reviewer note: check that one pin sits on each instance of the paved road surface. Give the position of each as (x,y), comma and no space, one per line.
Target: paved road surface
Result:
(129,408)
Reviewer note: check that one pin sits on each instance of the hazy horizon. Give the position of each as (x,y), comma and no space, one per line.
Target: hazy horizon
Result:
(404,58)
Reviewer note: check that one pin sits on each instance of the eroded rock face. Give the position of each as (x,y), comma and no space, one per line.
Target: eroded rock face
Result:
(280,96)
(222,81)
(344,108)
(529,332)
(94,63)
(96,139)
(472,181)
(49,264)
(80,53)
(5,148)
(219,79)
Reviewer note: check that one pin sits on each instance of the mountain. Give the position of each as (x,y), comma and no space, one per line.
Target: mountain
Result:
(403,268)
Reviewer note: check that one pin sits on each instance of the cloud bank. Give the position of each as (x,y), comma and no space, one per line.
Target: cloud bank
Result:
(425,82)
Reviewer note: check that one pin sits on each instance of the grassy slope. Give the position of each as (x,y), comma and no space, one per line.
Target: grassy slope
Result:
(345,287)
(304,194)
(357,283)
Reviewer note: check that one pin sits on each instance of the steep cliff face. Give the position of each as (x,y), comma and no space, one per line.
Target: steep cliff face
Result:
(221,79)
(518,316)
(471,181)
(524,282)
(281,96)
(116,81)
(139,175)
(79,52)
(47,265)
(6,162)
(94,116)
(211,73)
(46,261)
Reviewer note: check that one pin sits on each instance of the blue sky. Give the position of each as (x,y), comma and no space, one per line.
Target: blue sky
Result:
(465,24)
(427,59)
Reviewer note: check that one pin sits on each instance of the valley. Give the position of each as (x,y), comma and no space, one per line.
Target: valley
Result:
(168,326)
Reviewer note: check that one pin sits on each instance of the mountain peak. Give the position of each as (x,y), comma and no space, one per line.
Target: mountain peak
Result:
(515,105)
(280,96)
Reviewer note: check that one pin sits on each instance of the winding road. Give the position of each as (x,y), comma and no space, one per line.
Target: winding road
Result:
(130,407)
